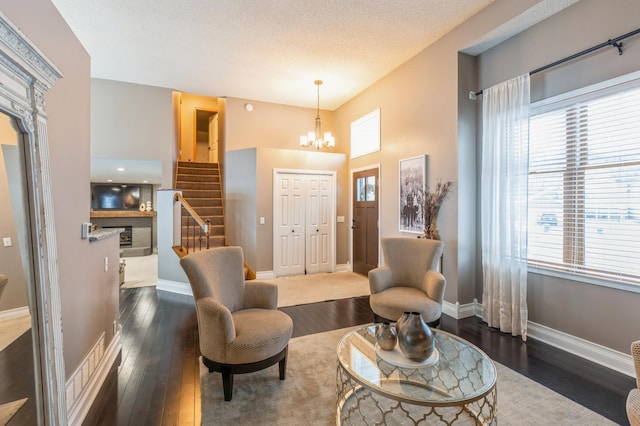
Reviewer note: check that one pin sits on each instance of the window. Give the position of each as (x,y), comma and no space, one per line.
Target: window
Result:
(365,134)
(584,183)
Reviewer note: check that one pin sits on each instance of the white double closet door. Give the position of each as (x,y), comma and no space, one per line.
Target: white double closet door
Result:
(303,222)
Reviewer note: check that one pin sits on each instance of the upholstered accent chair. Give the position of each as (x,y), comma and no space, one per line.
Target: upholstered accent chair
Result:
(633,400)
(408,281)
(240,328)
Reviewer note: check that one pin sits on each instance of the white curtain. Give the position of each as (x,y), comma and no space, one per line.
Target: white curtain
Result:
(505,160)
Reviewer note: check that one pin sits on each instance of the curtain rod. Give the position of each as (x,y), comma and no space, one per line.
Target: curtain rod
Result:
(614,42)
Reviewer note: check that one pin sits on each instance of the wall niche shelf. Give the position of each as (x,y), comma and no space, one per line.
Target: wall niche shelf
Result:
(121,213)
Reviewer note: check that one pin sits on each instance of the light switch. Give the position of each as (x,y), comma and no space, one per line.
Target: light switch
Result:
(340,219)
(261,220)
(6,241)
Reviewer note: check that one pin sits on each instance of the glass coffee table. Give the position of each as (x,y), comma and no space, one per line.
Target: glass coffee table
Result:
(460,388)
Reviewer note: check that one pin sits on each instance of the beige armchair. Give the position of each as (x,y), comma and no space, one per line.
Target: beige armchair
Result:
(240,328)
(633,400)
(408,281)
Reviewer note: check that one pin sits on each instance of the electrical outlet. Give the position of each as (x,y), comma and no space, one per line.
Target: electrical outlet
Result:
(106,264)
(6,241)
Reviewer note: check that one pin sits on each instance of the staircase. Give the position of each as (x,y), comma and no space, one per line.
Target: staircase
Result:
(201,187)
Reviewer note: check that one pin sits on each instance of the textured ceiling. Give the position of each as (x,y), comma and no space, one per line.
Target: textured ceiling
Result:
(262,50)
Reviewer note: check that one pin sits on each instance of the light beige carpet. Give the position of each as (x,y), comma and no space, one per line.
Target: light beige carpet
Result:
(312,288)
(13,328)
(308,395)
(8,410)
(141,271)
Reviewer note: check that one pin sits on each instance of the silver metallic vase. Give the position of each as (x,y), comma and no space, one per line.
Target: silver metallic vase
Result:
(403,318)
(386,336)
(415,338)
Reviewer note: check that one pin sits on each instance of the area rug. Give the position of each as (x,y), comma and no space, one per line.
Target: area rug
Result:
(13,328)
(308,395)
(312,288)
(8,410)
(140,271)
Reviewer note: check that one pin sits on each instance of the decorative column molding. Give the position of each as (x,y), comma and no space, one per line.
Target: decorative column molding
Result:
(25,76)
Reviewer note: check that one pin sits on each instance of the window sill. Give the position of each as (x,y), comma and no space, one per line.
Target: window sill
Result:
(633,288)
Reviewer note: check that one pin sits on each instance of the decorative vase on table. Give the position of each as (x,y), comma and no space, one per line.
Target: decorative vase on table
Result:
(403,318)
(415,338)
(386,336)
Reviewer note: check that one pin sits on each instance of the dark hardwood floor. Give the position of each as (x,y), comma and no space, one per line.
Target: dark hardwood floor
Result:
(157,381)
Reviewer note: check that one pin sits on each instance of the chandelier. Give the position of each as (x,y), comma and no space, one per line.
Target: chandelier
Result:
(316,138)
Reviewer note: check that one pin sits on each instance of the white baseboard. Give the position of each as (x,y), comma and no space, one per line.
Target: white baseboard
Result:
(609,358)
(174,287)
(265,275)
(458,311)
(599,354)
(14,313)
(87,380)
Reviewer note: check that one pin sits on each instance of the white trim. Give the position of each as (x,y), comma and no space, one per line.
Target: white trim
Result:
(86,382)
(265,275)
(174,287)
(14,313)
(599,354)
(458,311)
(606,357)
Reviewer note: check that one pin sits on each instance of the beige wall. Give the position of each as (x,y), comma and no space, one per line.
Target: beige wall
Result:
(89,296)
(419,115)
(276,130)
(249,196)
(189,103)
(579,309)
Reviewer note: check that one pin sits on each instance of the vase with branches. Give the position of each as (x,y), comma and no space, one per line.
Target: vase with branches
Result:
(432,201)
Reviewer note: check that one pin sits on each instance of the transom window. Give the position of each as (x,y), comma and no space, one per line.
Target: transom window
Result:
(584,183)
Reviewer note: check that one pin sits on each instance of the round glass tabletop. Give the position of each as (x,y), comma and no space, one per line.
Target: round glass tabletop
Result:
(463,373)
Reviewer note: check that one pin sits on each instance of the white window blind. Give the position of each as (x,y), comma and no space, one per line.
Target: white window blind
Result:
(584,184)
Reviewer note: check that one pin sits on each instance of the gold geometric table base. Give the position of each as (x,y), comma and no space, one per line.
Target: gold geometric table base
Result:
(361,405)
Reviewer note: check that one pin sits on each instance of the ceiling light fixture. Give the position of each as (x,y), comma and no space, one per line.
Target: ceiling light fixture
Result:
(316,138)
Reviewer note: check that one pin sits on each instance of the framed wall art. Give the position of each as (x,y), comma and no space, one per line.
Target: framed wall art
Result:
(413,183)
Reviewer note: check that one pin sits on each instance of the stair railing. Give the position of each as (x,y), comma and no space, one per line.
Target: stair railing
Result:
(198,230)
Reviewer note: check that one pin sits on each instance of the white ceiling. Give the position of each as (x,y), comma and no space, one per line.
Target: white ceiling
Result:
(265,50)
(268,50)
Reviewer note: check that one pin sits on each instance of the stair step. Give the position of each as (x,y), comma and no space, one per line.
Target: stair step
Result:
(205,202)
(196,172)
(195,165)
(197,178)
(203,186)
(213,220)
(208,211)
(191,194)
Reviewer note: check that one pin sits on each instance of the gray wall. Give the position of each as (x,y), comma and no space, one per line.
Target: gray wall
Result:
(89,295)
(134,122)
(583,310)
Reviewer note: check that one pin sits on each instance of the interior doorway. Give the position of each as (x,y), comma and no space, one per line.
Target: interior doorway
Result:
(365,190)
(206,136)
